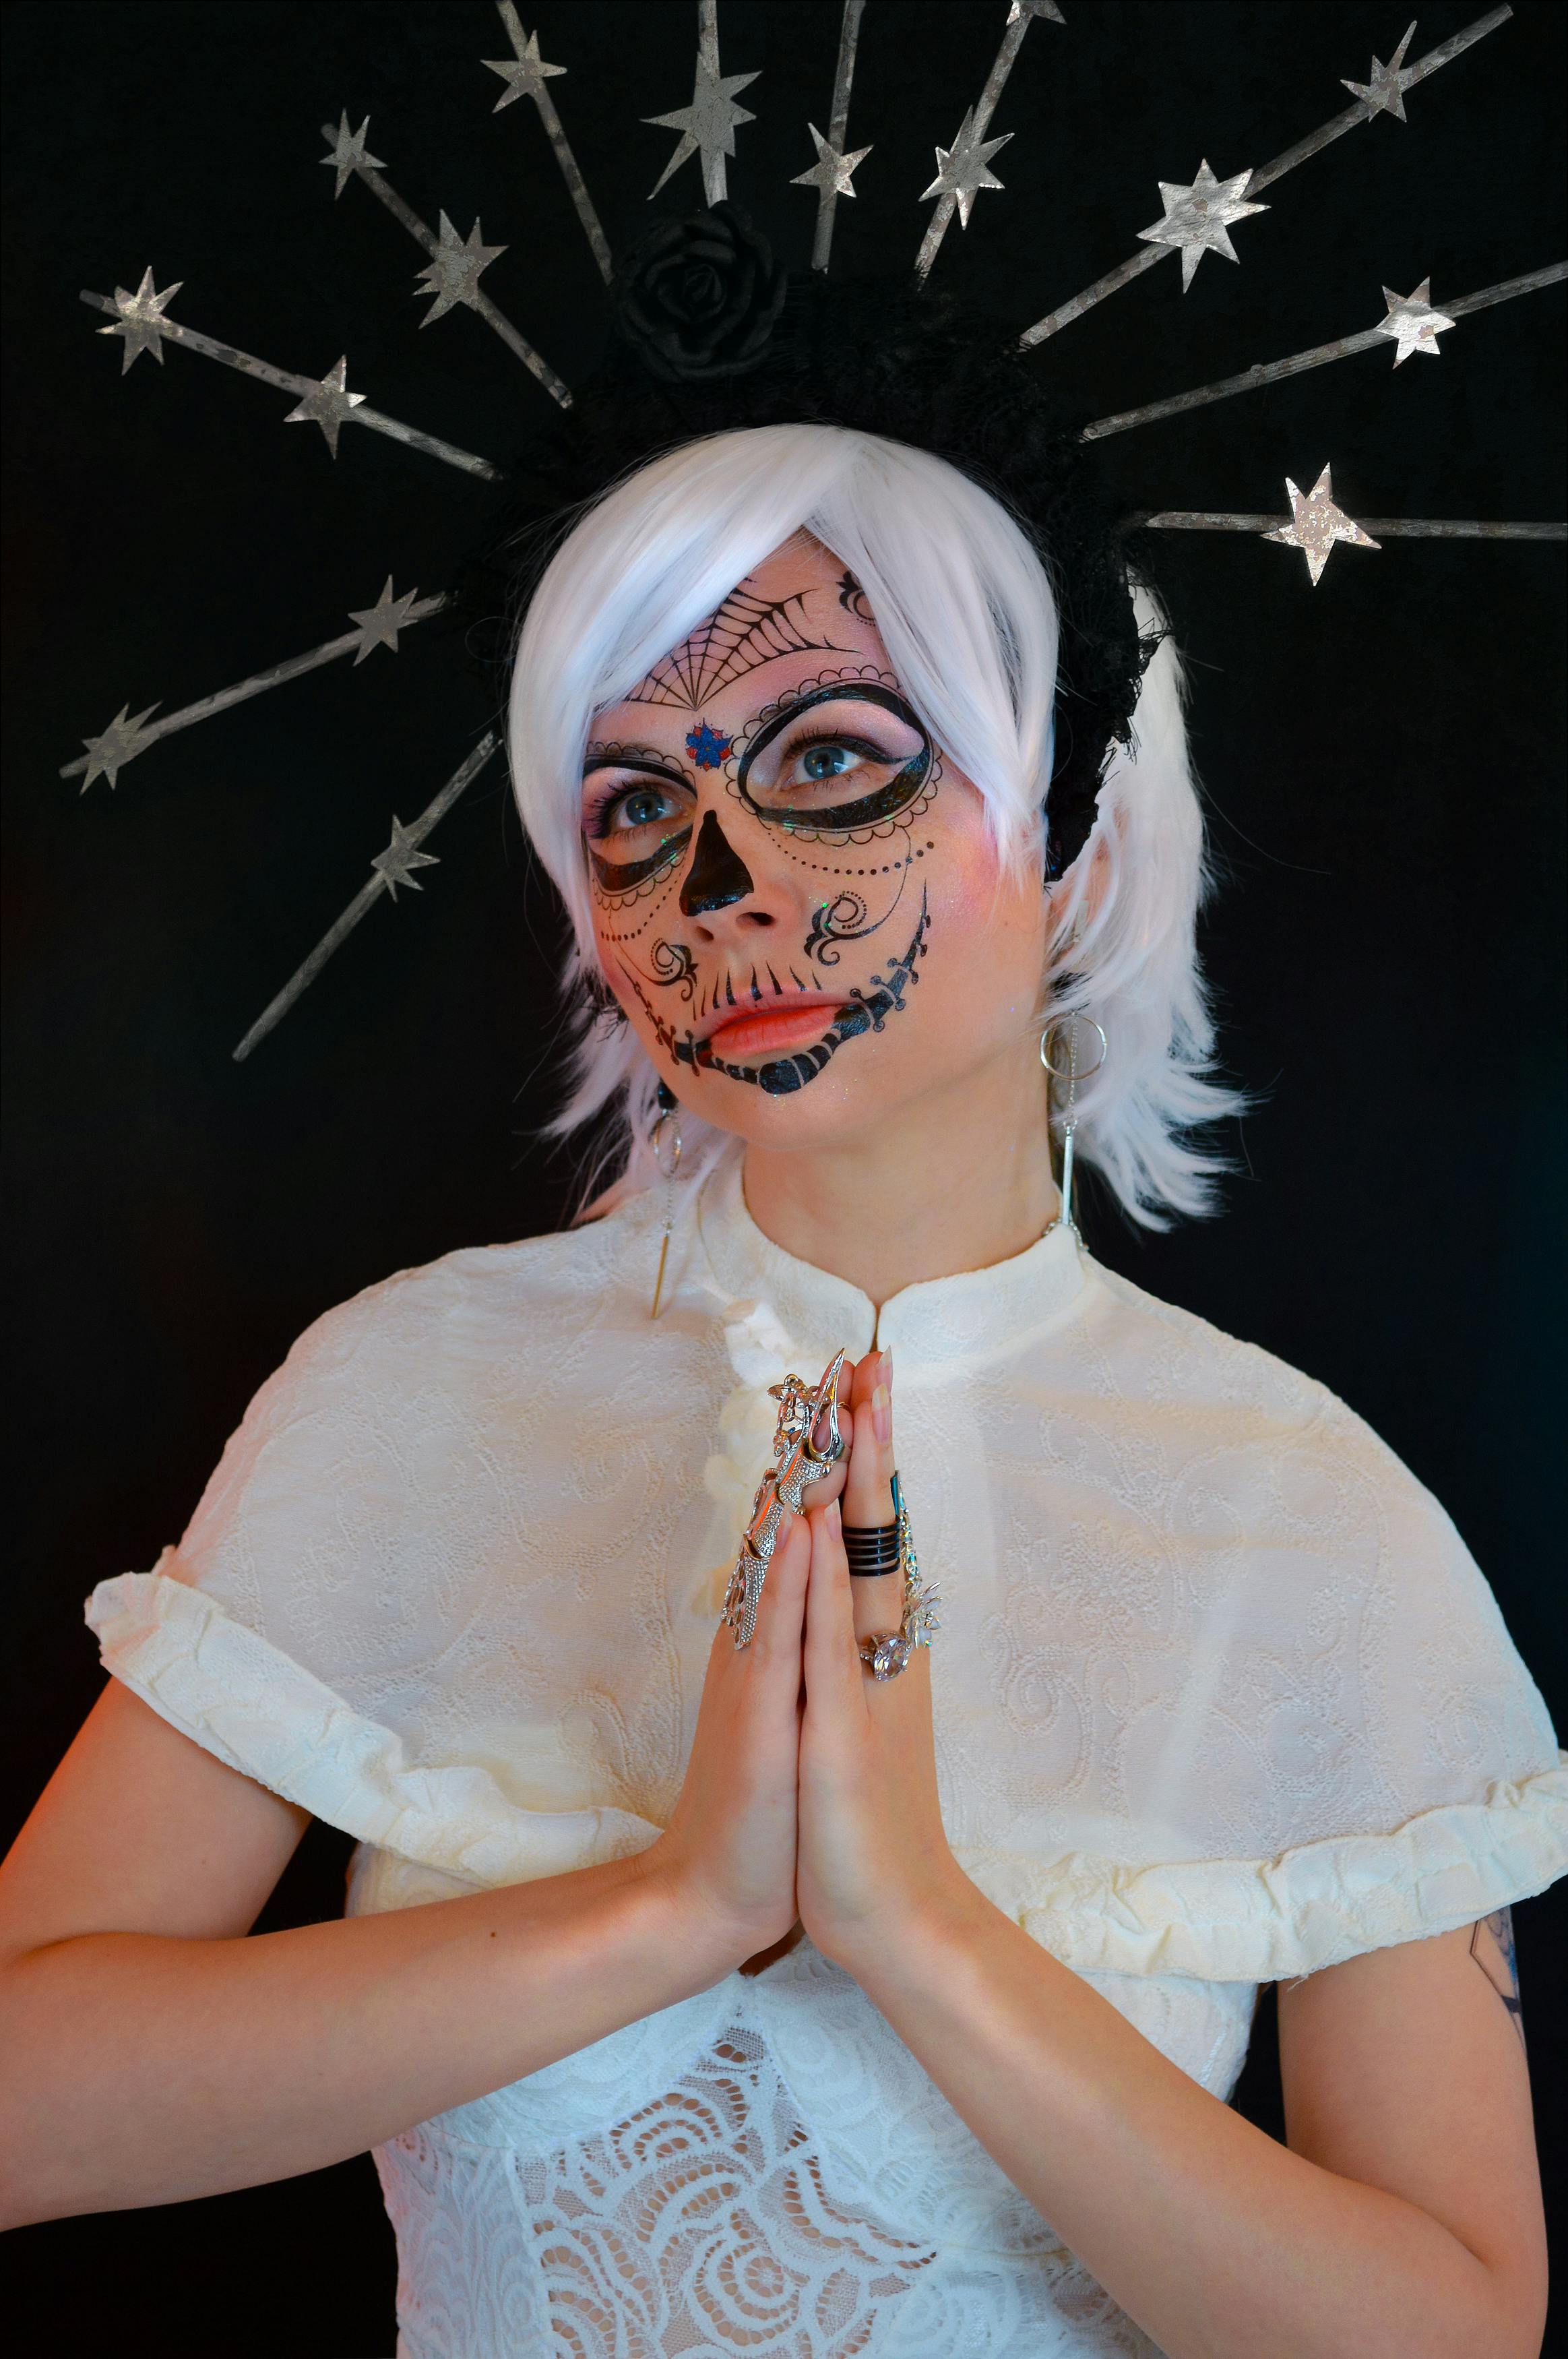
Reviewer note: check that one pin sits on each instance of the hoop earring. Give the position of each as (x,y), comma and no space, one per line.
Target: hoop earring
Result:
(665,1146)
(1072,1047)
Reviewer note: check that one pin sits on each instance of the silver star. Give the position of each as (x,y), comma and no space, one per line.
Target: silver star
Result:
(1412,321)
(121,743)
(833,168)
(708,123)
(347,154)
(525,75)
(962,169)
(1196,218)
(1316,524)
(141,319)
(400,856)
(1385,93)
(329,405)
(379,624)
(451,275)
(1035,8)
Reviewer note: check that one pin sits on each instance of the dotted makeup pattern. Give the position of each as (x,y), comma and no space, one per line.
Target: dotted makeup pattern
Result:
(661,877)
(899,822)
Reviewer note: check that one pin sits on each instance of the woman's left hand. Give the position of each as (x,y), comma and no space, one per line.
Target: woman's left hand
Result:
(873,1857)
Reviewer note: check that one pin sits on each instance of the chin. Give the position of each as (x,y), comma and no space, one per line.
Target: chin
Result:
(836,1105)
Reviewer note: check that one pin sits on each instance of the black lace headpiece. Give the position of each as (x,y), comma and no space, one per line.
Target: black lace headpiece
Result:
(712,334)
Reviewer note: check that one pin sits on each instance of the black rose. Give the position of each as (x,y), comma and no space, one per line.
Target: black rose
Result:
(699,297)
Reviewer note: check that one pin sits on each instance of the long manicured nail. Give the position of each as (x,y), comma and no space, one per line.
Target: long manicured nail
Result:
(834,1521)
(881,1414)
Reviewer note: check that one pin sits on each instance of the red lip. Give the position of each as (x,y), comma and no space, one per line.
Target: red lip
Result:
(771,1030)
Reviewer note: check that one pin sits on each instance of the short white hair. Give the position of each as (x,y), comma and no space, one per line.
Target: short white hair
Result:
(964,605)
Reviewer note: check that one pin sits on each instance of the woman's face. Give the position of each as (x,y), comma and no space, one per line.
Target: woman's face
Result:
(794,896)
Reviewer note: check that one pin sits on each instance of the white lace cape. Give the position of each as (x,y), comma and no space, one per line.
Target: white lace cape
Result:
(451,1590)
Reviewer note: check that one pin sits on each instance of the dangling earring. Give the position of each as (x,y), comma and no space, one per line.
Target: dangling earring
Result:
(1071,1049)
(665,1146)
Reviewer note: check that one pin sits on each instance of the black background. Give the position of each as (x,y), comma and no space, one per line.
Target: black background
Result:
(1381,758)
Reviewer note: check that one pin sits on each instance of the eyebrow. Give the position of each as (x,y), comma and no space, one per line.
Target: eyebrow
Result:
(646,761)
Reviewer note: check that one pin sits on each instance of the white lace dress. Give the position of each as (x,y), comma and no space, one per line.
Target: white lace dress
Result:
(1219,1698)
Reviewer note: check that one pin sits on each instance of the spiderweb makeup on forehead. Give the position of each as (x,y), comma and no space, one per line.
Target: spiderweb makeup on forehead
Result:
(740,636)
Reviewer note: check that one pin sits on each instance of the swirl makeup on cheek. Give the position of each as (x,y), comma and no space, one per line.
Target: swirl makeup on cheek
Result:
(850,755)
(863,1010)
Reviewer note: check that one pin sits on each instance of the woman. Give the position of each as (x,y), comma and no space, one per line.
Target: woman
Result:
(707,1996)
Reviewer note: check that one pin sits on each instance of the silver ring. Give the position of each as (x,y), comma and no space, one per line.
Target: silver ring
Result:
(886,1655)
(655,1142)
(1075,1070)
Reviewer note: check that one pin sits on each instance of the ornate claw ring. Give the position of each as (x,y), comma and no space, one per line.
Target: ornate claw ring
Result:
(797,1463)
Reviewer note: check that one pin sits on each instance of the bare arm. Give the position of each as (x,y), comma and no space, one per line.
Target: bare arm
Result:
(150,2052)
(1404,2218)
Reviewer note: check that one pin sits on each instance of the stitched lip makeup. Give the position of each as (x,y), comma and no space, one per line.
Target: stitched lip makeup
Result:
(772,1032)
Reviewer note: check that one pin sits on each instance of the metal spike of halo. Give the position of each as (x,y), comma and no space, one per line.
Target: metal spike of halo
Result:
(963,169)
(1197,218)
(1316,524)
(1410,320)
(141,319)
(375,626)
(1153,247)
(1384,92)
(525,74)
(324,400)
(707,125)
(452,273)
(833,173)
(389,869)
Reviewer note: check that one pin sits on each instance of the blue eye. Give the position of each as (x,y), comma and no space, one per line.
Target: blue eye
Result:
(829,761)
(642,808)
(634,809)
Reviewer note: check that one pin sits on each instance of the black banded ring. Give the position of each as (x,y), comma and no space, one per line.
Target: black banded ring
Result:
(872,1550)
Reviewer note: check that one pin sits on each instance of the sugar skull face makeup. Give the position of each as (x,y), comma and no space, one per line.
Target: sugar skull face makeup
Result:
(784,867)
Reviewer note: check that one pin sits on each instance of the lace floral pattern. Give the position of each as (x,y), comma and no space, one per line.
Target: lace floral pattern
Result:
(718,2214)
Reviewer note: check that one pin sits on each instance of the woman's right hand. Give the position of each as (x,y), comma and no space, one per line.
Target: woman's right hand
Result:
(728,1850)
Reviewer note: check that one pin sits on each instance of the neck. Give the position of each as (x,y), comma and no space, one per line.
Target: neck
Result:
(955,1180)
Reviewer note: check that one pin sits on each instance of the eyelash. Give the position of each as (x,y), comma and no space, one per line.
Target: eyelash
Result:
(861,746)
(594,819)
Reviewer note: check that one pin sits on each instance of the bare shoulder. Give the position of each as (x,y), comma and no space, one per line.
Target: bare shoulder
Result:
(141,1831)
(1405,2069)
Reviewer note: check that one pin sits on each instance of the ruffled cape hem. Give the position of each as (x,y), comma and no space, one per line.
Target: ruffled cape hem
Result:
(1248,1921)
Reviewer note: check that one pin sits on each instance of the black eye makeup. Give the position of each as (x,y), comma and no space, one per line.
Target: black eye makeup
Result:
(849,756)
(637,817)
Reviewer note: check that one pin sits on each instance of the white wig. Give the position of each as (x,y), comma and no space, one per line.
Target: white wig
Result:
(965,607)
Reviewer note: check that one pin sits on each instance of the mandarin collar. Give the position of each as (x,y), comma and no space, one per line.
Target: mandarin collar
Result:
(937,1327)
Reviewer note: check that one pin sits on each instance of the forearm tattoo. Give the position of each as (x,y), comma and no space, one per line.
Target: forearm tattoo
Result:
(1492,1947)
